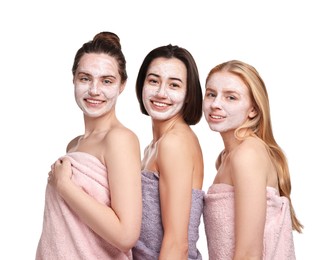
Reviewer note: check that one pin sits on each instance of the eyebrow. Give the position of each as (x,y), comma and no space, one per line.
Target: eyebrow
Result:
(209,89)
(103,76)
(224,91)
(171,78)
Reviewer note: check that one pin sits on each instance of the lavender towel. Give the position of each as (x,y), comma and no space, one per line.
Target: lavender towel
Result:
(149,243)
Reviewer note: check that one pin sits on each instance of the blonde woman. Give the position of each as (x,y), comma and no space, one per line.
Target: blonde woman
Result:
(248,212)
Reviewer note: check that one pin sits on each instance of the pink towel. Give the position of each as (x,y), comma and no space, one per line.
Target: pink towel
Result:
(218,219)
(64,235)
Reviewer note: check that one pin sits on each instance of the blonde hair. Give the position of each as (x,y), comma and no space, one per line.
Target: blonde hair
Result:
(261,125)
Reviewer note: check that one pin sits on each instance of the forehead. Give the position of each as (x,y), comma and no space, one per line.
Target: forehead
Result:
(226,81)
(167,67)
(97,62)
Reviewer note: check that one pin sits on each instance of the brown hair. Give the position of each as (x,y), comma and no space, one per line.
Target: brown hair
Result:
(192,108)
(103,42)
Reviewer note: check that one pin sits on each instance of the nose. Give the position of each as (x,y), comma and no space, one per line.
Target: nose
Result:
(216,104)
(161,91)
(94,89)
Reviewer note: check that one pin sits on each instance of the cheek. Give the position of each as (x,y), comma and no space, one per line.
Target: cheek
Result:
(80,90)
(205,106)
(111,93)
(239,110)
(176,97)
(148,92)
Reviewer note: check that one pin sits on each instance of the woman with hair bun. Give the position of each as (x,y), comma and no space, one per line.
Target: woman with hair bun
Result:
(93,197)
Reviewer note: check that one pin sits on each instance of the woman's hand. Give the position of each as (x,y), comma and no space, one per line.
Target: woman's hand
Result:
(60,173)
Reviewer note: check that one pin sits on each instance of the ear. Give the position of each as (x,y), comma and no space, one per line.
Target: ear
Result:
(122,87)
(253,113)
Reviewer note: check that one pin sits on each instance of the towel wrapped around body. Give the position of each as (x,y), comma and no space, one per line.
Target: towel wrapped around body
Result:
(151,235)
(64,235)
(218,219)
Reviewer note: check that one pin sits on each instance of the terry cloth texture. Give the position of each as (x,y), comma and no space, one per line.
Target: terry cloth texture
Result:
(149,244)
(219,224)
(64,236)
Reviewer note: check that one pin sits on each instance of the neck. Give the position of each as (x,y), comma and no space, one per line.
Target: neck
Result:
(160,128)
(96,125)
(231,141)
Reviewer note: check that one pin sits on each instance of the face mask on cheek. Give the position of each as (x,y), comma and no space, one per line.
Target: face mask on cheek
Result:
(163,109)
(99,105)
(229,117)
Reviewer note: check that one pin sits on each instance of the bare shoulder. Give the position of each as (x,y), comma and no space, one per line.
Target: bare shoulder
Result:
(251,151)
(182,148)
(250,164)
(119,146)
(73,143)
(183,139)
(121,132)
(121,135)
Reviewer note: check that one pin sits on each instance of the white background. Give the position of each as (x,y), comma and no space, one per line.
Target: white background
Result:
(291,43)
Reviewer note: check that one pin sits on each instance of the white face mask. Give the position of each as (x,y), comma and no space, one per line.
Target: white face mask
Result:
(97,84)
(165,88)
(227,103)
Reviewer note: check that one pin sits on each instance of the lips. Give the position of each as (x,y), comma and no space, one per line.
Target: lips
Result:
(160,104)
(216,116)
(94,101)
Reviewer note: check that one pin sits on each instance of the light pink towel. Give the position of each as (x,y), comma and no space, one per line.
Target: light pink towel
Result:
(64,235)
(218,219)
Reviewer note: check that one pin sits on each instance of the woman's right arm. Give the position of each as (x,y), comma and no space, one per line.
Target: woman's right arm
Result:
(120,223)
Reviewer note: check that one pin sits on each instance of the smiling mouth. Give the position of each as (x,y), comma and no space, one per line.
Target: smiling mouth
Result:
(94,101)
(216,117)
(159,104)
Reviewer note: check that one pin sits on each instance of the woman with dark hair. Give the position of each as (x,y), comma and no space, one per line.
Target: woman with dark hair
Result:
(169,91)
(93,197)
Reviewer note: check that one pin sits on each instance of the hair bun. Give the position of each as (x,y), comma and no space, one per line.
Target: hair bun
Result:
(108,37)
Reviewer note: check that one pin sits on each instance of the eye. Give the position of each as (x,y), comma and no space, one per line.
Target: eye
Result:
(174,85)
(210,94)
(153,81)
(231,98)
(84,79)
(107,82)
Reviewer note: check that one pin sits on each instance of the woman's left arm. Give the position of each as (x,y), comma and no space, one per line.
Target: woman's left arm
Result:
(249,177)
(175,164)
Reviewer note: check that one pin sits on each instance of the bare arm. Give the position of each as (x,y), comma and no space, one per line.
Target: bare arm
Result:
(176,170)
(249,175)
(120,223)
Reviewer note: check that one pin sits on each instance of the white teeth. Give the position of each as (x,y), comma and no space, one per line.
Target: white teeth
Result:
(93,101)
(159,104)
(216,117)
